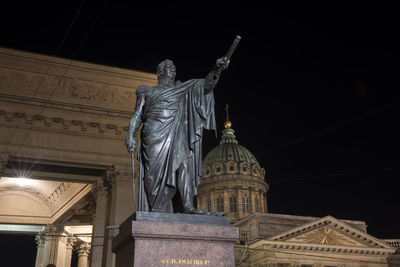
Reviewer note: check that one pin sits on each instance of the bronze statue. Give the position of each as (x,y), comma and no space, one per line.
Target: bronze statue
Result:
(173,115)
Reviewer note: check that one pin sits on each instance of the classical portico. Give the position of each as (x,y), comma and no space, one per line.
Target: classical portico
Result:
(65,174)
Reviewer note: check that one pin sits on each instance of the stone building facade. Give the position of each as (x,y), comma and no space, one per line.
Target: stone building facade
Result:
(234,182)
(65,174)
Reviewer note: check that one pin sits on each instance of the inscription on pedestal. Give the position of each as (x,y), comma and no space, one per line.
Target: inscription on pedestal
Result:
(185,262)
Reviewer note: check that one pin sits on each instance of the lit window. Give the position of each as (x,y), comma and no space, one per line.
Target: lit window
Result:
(220,204)
(245,201)
(257,204)
(233,204)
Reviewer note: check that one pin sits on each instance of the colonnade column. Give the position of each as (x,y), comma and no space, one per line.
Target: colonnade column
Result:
(101,192)
(71,240)
(40,241)
(263,196)
(213,200)
(83,255)
(54,251)
(227,204)
(122,203)
(252,202)
(240,202)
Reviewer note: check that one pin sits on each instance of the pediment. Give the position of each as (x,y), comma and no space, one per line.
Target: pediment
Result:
(329,231)
(325,235)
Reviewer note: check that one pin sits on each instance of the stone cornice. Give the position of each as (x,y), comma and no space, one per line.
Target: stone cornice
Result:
(311,247)
(68,81)
(233,180)
(32,101)
(58,124)
(40,63)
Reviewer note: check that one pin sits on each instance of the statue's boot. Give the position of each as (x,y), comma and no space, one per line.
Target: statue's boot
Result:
(217,213)
(192,210)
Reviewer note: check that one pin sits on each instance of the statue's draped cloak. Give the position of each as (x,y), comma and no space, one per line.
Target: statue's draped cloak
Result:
(173,121)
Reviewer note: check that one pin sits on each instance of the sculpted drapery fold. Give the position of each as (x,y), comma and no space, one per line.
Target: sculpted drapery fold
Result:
(173,122)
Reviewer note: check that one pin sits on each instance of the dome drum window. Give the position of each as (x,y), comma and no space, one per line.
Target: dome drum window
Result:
(208,204)
(233,204)
(245,203)
(231,167)
(220,204)
(244,168)
(217,169)
(257,204)
(206,172)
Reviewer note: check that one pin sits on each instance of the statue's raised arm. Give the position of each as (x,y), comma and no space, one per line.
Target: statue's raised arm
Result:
(221,64)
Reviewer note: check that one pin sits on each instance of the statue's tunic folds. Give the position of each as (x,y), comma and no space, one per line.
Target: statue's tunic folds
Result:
(173,121)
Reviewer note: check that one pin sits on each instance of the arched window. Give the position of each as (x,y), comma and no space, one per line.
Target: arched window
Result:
(208,204)
(220,204)
(245,201)
(257,204)
(233,204)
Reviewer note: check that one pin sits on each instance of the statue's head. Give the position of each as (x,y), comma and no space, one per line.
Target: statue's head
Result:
(166,70)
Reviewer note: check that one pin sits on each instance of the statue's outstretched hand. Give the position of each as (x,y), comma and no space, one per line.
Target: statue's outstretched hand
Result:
(130,143)
(223,63)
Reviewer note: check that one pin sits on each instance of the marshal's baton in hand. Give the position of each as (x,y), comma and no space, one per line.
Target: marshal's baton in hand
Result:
(228,55)
(232,48)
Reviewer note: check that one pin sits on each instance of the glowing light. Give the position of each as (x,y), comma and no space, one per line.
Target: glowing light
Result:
(21,181)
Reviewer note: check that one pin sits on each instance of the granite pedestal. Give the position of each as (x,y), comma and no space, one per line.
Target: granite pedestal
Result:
(165,239)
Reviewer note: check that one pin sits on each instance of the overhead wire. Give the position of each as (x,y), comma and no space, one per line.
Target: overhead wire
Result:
(78,12)
(330,128)
(65,71)
(289,180)
(335,191)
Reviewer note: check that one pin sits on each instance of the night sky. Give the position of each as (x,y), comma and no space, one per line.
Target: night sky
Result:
(313,89)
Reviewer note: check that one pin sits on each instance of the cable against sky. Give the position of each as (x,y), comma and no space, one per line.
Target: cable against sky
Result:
(324,194)
(47,72)
(65,71)
(333,127)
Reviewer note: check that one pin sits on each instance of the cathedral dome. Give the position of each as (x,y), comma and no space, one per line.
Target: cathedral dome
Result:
(229,150)
(233,180)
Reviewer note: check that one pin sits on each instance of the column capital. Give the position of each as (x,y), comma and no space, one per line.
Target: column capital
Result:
(109,175)
(40,238)
(84,249)
(71,241)
(53,232)
(102,186)
(123,174)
